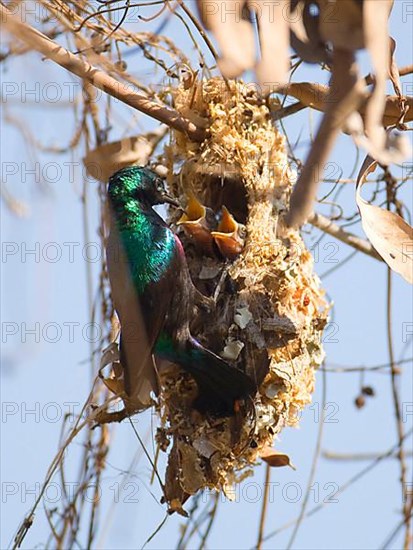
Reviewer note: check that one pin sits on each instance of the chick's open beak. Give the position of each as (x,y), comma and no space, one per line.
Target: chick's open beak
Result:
(228,236)
(195,225)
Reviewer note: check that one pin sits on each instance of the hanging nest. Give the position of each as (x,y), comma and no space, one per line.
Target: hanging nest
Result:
(270,311)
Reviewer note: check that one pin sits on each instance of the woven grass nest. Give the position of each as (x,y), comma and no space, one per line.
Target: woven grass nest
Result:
(270,311)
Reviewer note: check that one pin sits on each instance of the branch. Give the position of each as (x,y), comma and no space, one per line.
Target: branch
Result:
(277,114)
(403,71)
(316,96)
(344,96)
(123,92)
(336,231)
(330,455)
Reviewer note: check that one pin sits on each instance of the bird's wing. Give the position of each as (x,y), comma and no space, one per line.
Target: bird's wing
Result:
(141,319)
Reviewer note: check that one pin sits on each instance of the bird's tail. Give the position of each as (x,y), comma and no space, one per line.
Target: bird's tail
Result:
(220,385)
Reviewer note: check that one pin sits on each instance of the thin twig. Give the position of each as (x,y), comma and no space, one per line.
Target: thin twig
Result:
(212,516)
(56,462)
(148,456)
(264,508)
(277,114)
(362,368)
(403,71)
(313,471)
(185,527)
(326,225)
(330,455)
(397,411)
(201,31)
(152,536)
(343,487)
(393,535)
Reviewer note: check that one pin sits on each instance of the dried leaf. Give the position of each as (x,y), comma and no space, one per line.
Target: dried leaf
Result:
(394,70)
(397,85)
(341,23)
(232,349)
(115,385)
(396,146)
(310,94)
(274,40)
(173,491)
(375,24)
(234,33)
(305,33)
(275,459)
(192,477)
(242,317)
(106,159)
(230,22)
(391,236)
(109,355)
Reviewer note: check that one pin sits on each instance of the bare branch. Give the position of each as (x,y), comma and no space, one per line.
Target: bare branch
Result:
(331,455)
(317,96)
(336,231)
(41,43)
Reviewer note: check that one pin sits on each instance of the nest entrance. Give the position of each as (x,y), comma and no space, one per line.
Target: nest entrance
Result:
(229,191)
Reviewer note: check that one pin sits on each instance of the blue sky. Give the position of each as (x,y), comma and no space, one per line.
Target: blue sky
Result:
(46,371)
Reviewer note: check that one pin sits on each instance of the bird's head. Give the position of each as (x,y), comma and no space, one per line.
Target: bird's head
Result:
(140,184)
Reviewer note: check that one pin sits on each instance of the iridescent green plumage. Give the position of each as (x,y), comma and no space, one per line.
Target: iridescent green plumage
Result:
(155,298)
(148,245)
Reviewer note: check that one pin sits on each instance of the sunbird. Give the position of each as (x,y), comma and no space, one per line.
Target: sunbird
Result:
(155,299)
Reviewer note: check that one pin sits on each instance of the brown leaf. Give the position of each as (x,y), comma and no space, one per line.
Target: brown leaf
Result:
(234,33)
(192,477)
(274,40)
(397,85)
(390,235)
(106,159)
(394,70)
(305,33)
(230,22)
(274,459)
(311,94)
(377,42)
(341,23)
(114,385)
(174,494)
(396,147)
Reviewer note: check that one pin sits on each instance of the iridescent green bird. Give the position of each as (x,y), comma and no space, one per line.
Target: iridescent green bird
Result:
(154,297)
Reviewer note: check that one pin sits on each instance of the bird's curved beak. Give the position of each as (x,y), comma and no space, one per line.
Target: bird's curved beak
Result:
(170,200)
(163,195)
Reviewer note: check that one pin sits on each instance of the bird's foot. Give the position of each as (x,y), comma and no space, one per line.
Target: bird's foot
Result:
(107,417)
(208,303)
